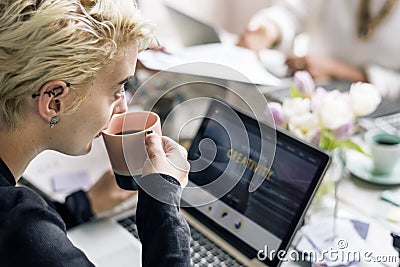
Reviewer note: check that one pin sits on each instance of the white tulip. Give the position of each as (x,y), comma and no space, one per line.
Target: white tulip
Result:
(317,98)
(335,111)
(304,126)
(296,106)
(365,98)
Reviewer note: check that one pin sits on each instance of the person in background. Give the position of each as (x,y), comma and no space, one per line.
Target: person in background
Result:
(348,40)
(63,68)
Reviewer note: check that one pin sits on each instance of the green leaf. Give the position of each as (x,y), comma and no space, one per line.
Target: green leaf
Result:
(329,142)
(326,140)
(349,144)
(293,91)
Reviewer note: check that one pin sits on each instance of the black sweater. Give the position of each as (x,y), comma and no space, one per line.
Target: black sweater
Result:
(32,232)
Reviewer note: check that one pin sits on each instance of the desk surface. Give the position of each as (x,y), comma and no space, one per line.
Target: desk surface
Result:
(357,199)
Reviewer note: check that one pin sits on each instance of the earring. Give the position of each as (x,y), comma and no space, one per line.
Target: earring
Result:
(54,121)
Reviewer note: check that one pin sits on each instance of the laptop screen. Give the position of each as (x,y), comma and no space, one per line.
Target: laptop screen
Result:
(265,216)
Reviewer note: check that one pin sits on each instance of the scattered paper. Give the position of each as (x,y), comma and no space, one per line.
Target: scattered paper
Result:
(218,60)
(324,248)
(393,214)
(70,182)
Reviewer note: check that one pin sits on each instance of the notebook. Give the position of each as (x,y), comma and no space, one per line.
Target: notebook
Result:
(205,54)
(260,208)
(387,118)
(389,123)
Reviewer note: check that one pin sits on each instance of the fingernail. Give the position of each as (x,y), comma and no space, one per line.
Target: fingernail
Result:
(149,132)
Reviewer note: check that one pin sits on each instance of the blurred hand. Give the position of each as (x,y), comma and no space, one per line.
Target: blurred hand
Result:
(323,68)
(157,47)
(105,194)
(167,157)
(259,37)
(320,68)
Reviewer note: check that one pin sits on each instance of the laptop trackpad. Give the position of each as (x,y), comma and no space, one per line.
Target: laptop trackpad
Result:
(125,257)
(106,243)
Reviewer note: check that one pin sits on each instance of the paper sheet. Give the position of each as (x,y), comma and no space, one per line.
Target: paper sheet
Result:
(344,247)
(71,181)
(218,60)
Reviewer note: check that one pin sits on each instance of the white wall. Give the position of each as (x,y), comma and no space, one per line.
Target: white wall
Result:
(231,15)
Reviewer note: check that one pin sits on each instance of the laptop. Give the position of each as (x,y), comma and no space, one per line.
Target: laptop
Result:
(192,31)
(260,208)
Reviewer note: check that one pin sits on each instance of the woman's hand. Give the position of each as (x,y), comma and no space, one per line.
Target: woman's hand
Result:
(105,194)
(259,37)
(324,68)
(320,68)
(167,157)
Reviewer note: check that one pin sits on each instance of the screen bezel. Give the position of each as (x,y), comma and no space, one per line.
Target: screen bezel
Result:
(308,148)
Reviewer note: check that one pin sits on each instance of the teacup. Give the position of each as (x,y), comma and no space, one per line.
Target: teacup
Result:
(125,144)
(385,150)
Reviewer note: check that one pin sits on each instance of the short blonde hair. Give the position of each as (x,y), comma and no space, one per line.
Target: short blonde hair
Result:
(70,40)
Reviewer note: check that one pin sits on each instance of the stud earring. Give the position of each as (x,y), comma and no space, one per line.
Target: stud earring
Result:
(54,121)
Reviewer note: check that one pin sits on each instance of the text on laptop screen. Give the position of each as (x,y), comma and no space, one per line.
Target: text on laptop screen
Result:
(269,215)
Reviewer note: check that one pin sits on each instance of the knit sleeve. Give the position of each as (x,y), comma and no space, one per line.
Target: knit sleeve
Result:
(75,210)
(162,228)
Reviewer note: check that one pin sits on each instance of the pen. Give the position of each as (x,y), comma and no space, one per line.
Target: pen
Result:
(159,47)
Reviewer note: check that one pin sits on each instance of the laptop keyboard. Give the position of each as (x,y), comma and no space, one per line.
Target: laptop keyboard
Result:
(203,251)
(129,223)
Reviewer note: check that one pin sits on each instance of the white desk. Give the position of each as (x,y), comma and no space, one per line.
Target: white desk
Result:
(44,167)
(361,201)
(358,200)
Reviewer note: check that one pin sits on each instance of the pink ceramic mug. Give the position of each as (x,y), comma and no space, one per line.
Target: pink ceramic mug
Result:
(125,143)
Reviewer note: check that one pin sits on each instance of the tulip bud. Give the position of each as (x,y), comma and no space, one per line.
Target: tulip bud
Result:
(365,98)
(304,83)
(342,131)
(279,116)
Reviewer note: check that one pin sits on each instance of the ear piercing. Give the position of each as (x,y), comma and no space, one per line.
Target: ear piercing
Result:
(54,121)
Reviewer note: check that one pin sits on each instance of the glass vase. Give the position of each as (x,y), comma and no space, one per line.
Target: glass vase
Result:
(325,199)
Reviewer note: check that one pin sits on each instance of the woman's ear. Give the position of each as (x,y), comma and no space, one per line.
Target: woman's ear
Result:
(51,99)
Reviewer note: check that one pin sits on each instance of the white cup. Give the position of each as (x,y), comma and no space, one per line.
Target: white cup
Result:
(385,150)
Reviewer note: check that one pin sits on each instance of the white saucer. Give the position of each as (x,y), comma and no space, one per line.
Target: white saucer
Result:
(362,167)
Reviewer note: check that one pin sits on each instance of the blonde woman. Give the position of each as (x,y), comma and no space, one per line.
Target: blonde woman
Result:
(63,66)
